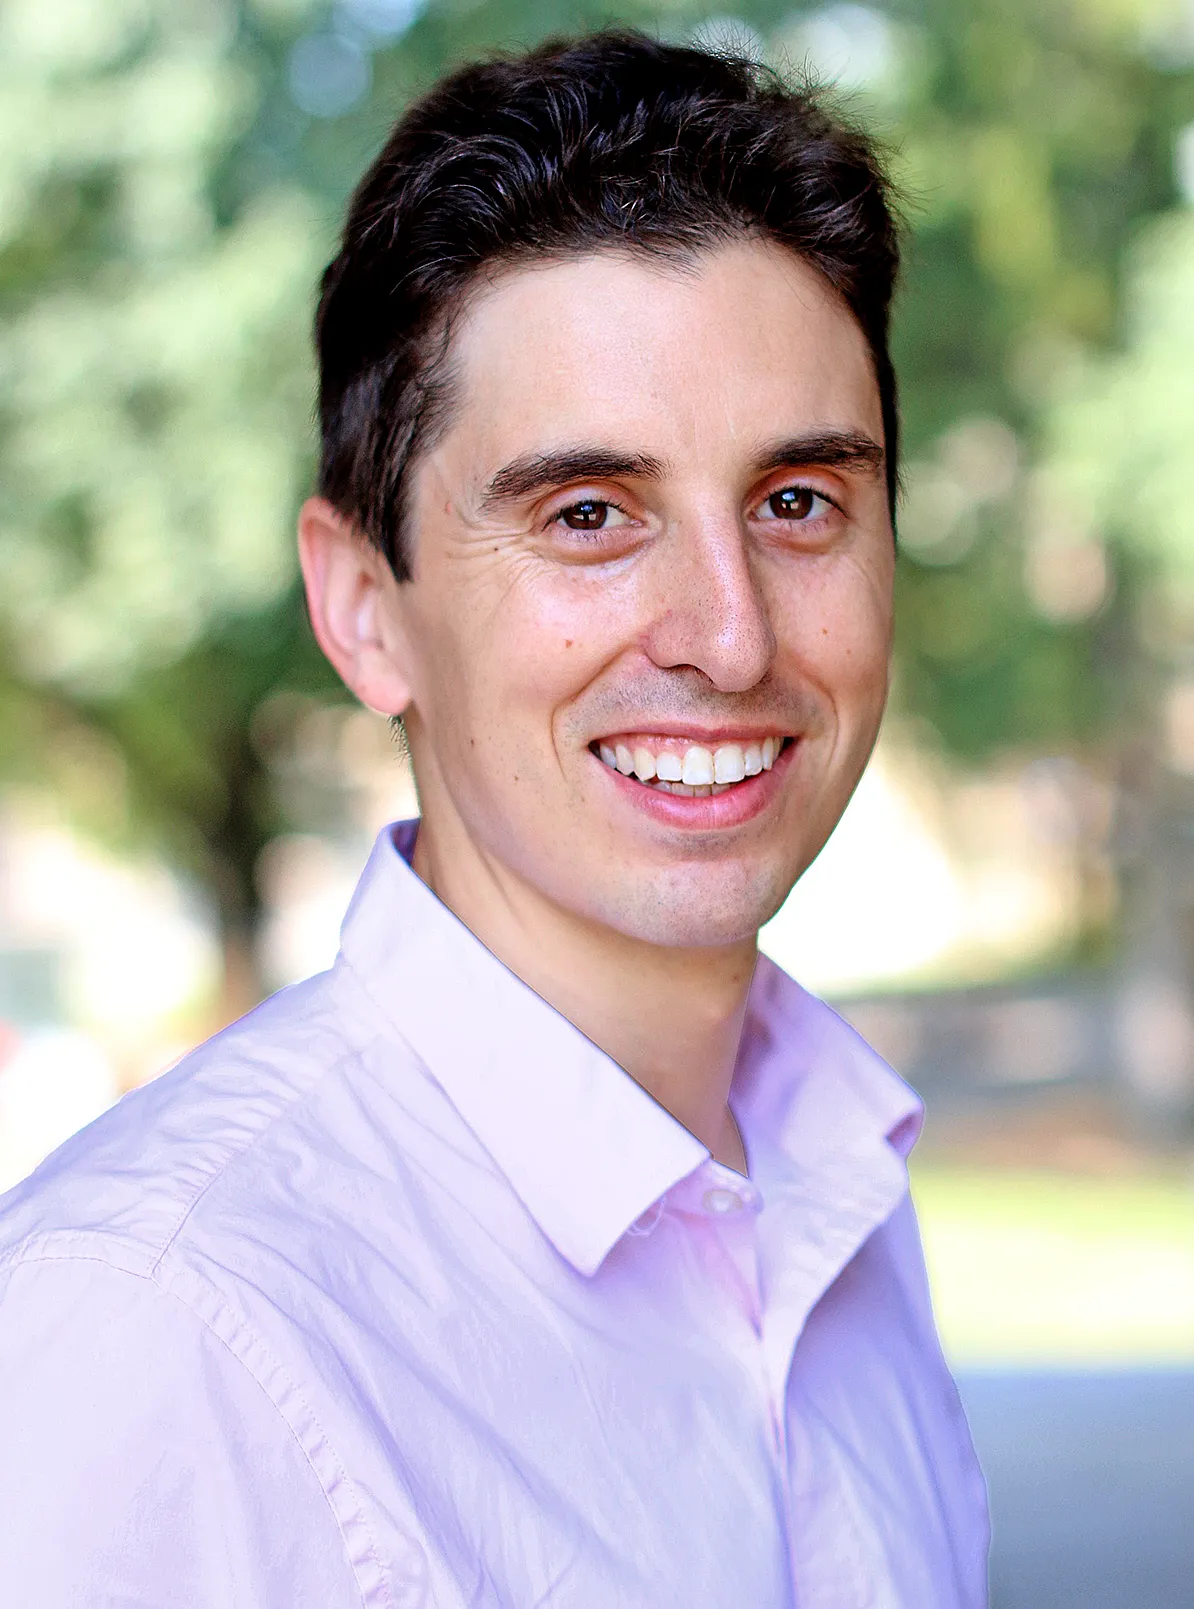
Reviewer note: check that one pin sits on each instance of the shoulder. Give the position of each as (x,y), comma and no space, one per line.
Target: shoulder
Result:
(145,1464)
(150,1397)
(120,1190)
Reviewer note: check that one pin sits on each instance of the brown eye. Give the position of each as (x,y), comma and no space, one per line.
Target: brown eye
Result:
(793,503)
(589,515)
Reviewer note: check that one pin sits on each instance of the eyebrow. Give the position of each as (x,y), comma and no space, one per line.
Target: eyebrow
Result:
(536,471)
(825,449)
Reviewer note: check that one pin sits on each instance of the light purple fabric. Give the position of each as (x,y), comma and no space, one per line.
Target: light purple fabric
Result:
(399,1292)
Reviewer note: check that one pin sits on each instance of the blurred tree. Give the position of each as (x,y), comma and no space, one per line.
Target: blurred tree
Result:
(154,426)
(1042,136)
(1119,430)
(1114,464)
(171,176)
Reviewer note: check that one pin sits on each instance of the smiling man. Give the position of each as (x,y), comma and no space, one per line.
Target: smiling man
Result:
(553,1248)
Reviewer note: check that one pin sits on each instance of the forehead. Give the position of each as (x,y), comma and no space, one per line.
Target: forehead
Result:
(709,354)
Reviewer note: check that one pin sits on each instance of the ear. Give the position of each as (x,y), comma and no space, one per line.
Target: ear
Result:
(349,586)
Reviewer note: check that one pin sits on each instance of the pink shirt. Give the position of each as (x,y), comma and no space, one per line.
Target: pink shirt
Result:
(400,1292)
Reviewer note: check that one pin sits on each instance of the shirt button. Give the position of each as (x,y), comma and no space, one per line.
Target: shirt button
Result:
(721,1201)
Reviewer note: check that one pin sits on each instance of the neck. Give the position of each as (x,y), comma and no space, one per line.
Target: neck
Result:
(672,1018)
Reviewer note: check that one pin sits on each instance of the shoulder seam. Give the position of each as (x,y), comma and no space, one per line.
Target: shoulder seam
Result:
(40,1248)
(236,1328)
(255,1342)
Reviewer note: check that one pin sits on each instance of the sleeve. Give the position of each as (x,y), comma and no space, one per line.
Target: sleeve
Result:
(141,1467)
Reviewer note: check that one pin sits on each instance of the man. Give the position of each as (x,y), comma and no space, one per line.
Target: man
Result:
(552,1248)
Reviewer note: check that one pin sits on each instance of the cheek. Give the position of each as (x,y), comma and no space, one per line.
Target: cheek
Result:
(559,636)
(501,669)
(839,630)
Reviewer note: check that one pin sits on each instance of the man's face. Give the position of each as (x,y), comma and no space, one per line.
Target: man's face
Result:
(648,631)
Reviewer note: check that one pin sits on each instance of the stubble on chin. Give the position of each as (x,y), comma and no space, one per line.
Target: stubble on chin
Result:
(691,906)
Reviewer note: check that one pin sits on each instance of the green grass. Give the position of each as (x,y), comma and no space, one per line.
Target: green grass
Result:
(1051,1268)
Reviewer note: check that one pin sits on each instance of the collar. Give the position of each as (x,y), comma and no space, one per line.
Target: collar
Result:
(584,1147)
(812,1083)
(833,1124)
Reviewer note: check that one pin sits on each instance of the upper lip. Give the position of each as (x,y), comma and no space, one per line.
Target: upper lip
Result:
(706,737)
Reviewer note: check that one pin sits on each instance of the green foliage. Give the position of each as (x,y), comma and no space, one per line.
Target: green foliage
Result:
(154,421)
(1121,428)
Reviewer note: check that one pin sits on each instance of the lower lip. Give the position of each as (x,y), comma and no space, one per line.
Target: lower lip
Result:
(742,803)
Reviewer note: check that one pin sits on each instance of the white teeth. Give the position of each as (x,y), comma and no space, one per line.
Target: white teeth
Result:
(698,767)
(728,764)
(699,770)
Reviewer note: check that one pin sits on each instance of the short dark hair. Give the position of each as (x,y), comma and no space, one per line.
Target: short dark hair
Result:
(612,140)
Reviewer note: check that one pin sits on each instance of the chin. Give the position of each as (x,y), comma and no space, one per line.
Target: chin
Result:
(684,909)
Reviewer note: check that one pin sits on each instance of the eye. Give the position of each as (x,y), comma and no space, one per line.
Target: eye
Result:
(800,504)
(591,514)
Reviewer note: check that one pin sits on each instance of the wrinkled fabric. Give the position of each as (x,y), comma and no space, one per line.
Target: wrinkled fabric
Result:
(401,1293)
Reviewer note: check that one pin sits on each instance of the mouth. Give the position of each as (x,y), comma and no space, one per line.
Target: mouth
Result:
(690,770)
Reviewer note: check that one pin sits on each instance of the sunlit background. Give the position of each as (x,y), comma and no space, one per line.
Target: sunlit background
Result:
(1007,909)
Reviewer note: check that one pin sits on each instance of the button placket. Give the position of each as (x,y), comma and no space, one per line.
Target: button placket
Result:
(731,1207)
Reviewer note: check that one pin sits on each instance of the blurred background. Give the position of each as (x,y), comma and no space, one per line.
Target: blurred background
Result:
(1007,910)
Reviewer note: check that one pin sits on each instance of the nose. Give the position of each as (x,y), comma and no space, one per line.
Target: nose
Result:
(709,611)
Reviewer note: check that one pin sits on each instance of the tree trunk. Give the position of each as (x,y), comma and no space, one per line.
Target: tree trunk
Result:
(235,846)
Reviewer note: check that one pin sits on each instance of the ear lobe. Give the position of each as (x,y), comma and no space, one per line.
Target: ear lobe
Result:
(348,584)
